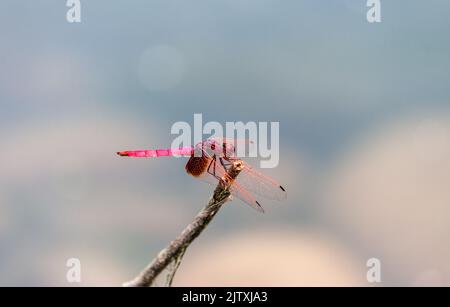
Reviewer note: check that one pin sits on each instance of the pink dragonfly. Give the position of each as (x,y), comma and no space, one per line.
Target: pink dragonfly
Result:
(209,161)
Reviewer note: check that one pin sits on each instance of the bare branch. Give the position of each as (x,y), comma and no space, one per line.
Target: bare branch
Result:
(175,250)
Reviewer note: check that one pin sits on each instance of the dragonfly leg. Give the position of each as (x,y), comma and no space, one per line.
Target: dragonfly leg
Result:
(212,165)
(226,162)
(222,162)
(231,159)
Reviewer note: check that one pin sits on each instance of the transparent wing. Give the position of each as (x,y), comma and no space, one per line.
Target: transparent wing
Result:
(237,190)
(260,184)
(215,171)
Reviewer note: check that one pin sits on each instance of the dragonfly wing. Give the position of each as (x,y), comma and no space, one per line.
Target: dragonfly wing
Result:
(237,190)
(215,171)
(260,184)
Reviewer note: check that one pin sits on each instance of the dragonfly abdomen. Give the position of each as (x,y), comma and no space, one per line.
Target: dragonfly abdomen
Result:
(185,151)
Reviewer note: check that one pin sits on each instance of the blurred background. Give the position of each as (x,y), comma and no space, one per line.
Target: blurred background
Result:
(364,112)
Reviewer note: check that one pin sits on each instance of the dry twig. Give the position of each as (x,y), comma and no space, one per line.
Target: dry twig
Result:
(174,252)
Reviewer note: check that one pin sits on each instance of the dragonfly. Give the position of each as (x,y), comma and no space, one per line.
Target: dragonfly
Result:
(210,161)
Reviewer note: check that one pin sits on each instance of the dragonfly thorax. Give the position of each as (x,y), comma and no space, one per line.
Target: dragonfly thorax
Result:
(213,148)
